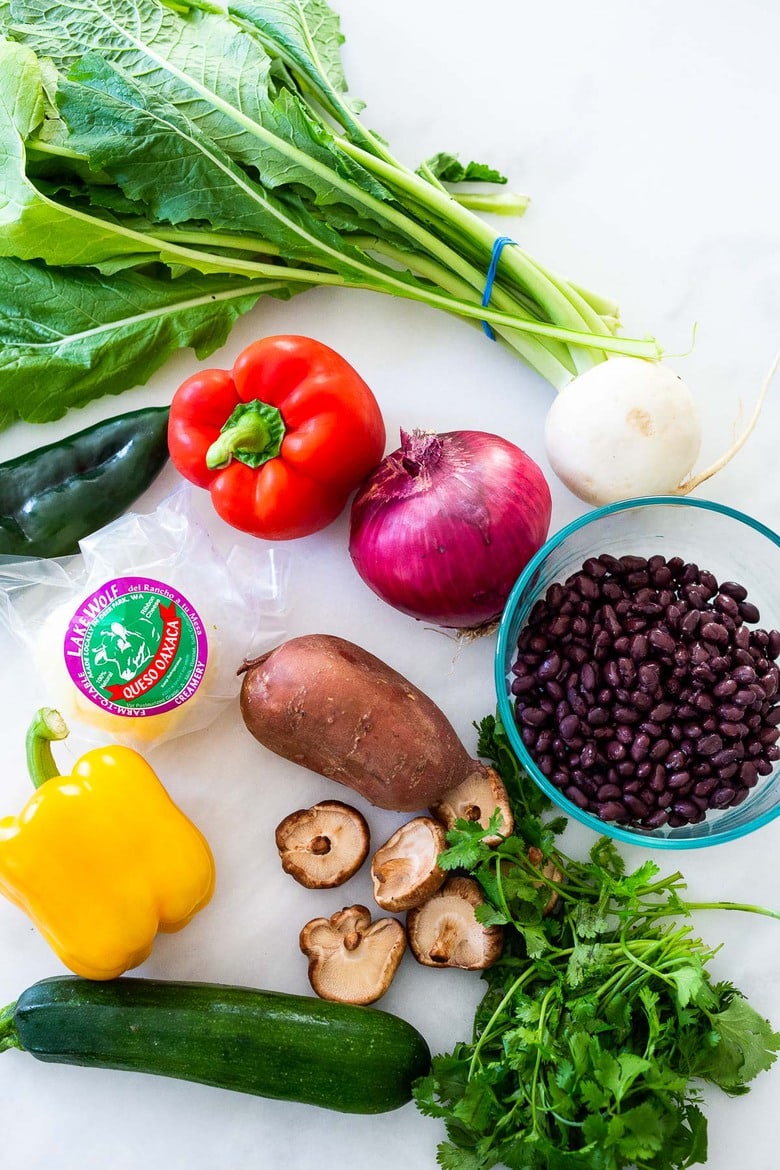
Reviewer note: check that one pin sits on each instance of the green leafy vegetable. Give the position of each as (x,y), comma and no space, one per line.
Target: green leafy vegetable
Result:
(162,144)
(599,1022)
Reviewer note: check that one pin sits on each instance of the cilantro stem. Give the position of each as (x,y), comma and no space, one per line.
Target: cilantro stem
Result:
(487,1030)
(637,962)
(746,907)
(553,989)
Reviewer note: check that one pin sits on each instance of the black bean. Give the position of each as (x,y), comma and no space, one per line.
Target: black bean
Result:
(533,716)
(569,726)
(649,677)
(744,675)
(549,667)
(641,746)
(708,745)
(679,779)
(713,632)
(749,612)
(594,567)
(635,805)
(660,749)
(734,589)
(625,714)
(657,819)
(588,755)
(612,810)
(748,775)
(576,796)
(773,644)
(724,603)
(690,622)
(559,626)
(722,797)
(661,640)
(685,808)
(658,779)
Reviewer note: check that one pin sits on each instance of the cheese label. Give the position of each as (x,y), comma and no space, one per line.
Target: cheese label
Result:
(136,647)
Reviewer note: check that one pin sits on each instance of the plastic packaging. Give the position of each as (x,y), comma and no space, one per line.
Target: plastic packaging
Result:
(139,636)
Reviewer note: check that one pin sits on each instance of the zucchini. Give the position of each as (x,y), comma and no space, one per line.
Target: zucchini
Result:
(293,1048)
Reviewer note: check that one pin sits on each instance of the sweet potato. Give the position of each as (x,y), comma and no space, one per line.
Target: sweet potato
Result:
(332,707)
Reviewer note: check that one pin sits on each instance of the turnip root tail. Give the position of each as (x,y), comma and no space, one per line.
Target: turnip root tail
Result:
(693,481)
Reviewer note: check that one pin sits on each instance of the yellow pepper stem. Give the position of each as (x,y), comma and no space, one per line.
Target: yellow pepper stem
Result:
(46,726)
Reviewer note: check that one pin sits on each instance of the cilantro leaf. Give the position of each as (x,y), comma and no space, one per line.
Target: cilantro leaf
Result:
(746,1045)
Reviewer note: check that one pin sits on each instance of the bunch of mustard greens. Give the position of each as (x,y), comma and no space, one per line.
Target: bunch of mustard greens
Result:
(166,165)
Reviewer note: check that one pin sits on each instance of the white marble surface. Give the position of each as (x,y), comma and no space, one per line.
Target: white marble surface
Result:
(646,135)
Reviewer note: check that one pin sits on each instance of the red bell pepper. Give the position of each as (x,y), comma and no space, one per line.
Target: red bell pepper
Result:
(281,440)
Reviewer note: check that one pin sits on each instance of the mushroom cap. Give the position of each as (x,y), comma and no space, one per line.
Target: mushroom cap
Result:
(351,958)
(476,799)
(444,931)
(405,870)
(323,845)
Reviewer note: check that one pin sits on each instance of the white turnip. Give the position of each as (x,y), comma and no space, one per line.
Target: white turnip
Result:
(630,427)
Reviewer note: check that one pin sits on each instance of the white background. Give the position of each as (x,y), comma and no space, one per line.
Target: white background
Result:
(647,136)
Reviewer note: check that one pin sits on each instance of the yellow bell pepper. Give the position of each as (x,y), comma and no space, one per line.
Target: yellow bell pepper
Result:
(103,859)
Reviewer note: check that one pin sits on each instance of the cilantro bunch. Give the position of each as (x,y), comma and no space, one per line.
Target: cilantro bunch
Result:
(600,1023)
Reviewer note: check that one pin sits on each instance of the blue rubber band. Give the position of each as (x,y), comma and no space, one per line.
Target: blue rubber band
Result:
(498,247)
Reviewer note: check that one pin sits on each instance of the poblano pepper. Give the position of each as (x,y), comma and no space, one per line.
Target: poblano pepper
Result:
(52,497)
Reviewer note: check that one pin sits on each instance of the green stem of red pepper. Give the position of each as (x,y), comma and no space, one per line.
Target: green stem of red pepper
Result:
(253,434)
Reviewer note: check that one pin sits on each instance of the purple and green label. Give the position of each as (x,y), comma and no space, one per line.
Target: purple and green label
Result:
(136,647)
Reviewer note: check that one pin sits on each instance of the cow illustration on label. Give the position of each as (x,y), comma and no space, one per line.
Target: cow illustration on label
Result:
(136,647)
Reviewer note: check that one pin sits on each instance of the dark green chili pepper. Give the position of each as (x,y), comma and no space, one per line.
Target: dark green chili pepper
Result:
(52,497)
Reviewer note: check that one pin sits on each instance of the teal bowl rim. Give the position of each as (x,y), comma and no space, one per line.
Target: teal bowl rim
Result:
(607,828)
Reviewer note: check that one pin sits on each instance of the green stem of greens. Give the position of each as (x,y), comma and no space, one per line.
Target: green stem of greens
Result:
(495,203)
(562,303)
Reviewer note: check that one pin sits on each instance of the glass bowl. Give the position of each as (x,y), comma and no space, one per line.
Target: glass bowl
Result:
(726,543)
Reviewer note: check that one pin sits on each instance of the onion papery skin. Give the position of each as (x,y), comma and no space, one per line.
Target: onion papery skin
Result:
(443,527)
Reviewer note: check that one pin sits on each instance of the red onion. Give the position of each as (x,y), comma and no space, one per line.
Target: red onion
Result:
(443,527)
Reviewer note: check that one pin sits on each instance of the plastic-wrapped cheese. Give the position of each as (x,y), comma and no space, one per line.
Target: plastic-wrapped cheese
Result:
(138,638)
(132,650)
